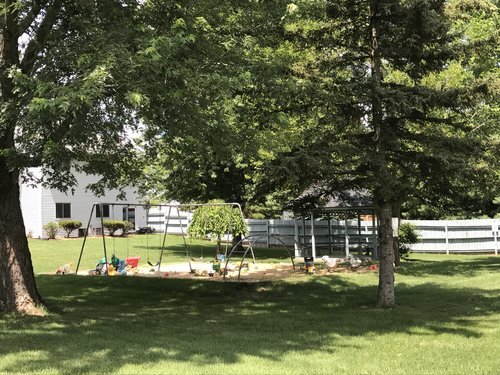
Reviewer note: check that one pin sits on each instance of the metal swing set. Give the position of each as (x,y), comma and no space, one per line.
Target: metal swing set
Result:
(171,207)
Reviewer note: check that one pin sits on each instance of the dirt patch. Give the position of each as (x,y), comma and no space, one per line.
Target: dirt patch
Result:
(249,273)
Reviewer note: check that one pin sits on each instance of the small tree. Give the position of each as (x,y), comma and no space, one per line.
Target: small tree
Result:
(408,235)
(216,221)
(51,230)
(113,225)
(69,226)
(127,225)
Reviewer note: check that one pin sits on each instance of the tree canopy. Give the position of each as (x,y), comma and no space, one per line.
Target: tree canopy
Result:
(256,102)
(65,106)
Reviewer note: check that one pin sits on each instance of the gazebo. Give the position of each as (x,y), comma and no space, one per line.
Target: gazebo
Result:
(343,223)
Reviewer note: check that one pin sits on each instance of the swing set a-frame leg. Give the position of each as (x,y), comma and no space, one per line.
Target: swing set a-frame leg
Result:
(165,236)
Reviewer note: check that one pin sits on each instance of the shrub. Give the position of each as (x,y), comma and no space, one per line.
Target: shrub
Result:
(126,227)
(408,235)
(51,230)
(113,225)
(69,226)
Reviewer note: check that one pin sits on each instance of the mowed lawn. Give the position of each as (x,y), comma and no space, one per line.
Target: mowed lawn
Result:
(49,255)
(447,322)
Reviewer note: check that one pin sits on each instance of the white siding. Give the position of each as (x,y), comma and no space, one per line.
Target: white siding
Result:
(81,205)
(31,206)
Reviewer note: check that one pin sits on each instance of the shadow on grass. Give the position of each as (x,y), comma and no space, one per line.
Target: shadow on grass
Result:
(102,324)
(449,267)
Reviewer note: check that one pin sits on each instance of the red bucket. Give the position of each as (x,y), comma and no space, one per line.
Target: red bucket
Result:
(133,261)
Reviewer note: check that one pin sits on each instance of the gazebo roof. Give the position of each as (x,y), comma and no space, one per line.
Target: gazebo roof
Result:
(350,199)
(355,201)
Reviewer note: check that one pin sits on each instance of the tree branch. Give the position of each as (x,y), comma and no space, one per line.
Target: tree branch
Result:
(41,34)
(30,16)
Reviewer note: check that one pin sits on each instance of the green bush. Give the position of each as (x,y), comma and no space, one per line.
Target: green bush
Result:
(51,230)
(69,226)
(113,225)
(408,235)
(126,227)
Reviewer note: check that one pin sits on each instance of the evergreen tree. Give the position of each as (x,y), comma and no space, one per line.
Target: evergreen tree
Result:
(384,124)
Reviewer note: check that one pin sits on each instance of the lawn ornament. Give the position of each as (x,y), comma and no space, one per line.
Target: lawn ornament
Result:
(309,263)
(330,263)
(64,270)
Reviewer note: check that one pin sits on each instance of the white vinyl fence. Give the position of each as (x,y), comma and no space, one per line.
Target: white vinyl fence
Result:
(437,236)
(457,236)
(177,224)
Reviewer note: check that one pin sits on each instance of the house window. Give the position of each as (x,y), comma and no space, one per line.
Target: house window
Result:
(105,210)
(63,210)
(129,215)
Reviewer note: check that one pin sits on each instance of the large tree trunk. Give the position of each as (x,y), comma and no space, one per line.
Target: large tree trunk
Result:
(217,249)
(386,295)
(384,188)
(18,291)
(236,239)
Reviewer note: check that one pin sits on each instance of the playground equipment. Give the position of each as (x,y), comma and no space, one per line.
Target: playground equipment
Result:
(172,208)
(251,240)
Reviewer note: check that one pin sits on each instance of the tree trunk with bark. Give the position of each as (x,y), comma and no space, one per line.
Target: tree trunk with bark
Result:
(18,292)
(236,240)
(383,178)
(217,249)
(386,295)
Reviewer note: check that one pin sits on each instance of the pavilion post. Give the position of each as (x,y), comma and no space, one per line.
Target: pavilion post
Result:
(330,245)
(360,242)
(313,237)
(304,235)
(296,235)
(346,236)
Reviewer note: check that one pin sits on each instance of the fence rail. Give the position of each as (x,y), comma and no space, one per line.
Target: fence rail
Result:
(436,236)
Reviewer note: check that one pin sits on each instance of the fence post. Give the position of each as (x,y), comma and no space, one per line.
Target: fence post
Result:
(330,246)
(374,235)
(494,228)
(446,238)
(267,232)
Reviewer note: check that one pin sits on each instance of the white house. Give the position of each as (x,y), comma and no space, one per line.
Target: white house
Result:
(41,206)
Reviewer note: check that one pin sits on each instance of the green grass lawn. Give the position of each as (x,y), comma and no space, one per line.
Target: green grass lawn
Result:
(447,322)
(49,255)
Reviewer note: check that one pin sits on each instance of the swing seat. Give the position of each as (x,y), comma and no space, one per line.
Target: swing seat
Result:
(133,261)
